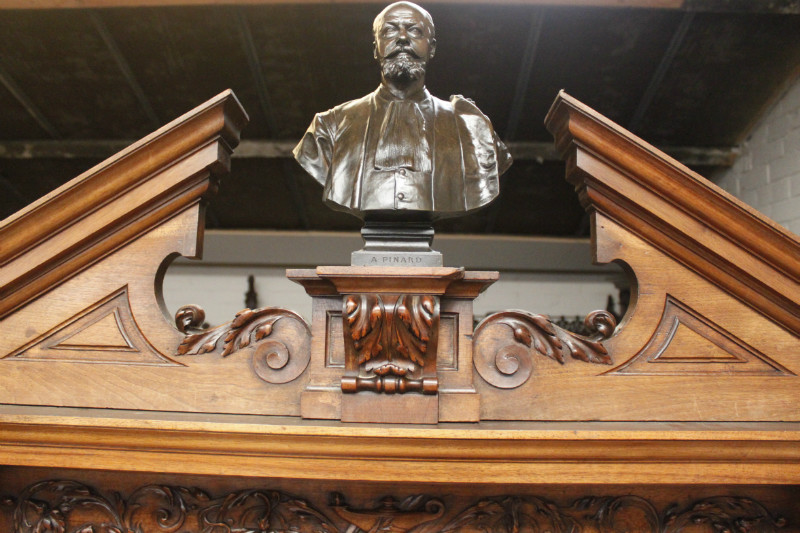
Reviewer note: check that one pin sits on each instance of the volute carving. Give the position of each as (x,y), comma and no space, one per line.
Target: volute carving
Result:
(418,513)
(275,360)
(508,363)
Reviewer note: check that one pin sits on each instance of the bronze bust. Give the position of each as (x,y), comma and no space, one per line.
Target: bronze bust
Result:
(400,153)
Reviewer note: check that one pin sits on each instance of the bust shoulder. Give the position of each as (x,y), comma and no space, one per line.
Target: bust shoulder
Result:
(348,112)
(466,106)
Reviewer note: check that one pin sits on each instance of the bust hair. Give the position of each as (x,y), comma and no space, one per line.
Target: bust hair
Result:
(426,17)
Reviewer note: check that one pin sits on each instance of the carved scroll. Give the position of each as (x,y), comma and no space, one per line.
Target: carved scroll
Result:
(275,360)
(508,363)
(416,513)
(390,343)
(74,507)
(512,514)
(735,515)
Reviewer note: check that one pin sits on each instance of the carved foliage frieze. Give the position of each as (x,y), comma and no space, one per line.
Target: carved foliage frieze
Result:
(390,343)
(278,358)
(505,343)
(74,507)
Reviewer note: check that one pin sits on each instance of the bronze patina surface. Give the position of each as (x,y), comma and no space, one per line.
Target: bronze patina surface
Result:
(399,153)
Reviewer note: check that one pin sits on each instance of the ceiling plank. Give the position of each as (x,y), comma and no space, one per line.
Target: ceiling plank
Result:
(524,77)
(8,82)
(125,68)
(268,149)
(249,46)
(64,4)
(8,188)
(661,71)
(716,6)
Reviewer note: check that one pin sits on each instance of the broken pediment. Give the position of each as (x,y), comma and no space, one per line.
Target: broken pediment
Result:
(714,322)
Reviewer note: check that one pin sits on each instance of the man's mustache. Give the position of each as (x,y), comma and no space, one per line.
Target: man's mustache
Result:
(398,51)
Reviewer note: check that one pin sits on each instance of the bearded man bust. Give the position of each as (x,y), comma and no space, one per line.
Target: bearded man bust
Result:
(400,152)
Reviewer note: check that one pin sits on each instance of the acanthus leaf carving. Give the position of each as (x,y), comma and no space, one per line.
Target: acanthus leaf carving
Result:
(412,326)
(262,511)
(164,506)
(390,343)
(511,514)
(365,316)
(273,360)
(66,507)
(724,514)
(510,364)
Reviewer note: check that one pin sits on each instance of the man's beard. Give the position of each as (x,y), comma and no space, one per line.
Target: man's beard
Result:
(402,68)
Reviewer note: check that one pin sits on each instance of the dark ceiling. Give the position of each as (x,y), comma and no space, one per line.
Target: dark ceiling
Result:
(78,84)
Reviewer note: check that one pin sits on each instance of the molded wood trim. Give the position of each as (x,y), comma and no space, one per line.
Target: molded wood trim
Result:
(679,211)
(526,453)
(85,219)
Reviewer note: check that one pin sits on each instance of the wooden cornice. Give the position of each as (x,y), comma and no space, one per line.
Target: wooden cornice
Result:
(679,211)
(109,205)
(523,453)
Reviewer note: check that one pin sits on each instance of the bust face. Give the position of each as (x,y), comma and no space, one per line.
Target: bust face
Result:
(404,31)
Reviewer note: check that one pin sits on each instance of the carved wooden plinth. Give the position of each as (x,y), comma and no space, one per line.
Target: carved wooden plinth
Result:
(391,345)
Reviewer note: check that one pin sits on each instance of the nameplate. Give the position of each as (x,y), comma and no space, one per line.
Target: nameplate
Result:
(396,259)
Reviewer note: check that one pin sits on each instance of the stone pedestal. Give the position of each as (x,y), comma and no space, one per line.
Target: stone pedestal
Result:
(392,345)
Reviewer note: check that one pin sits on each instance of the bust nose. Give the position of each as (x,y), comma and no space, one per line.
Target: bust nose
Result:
(402,36)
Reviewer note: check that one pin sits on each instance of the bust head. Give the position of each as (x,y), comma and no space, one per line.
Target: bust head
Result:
(404,42)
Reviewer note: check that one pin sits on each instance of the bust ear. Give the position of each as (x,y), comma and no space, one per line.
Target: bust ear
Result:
(433,48)
(375,49)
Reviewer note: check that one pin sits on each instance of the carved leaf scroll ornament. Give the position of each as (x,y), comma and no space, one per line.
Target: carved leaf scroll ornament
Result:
(72,507)
(273,360)
(418,513)
(723,514)
(508,365)
(66,507)
(264,511)
(513,514)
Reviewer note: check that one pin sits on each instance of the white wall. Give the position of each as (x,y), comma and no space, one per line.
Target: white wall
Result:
(220,291)
(559,279)
(767,173)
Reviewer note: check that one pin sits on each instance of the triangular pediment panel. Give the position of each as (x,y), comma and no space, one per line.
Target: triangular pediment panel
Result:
(687,343)
(105,332)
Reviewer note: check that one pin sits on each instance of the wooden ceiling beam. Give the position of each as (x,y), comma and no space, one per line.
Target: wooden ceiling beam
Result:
(63,4)
(265,101)
(661,71)
(16,91)
(124,67)
(720,6)
(524,77)
(266,149)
